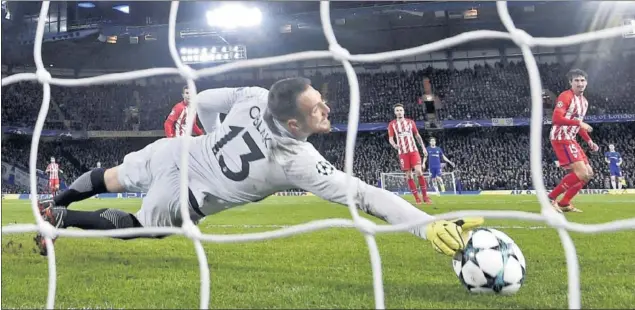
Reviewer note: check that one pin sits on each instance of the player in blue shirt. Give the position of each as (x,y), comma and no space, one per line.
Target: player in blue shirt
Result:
(435,155)
(614,159)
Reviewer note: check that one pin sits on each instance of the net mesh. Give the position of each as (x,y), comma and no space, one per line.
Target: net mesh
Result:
(369,229)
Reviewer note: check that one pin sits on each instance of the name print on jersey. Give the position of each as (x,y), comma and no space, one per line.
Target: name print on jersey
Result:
(254,113)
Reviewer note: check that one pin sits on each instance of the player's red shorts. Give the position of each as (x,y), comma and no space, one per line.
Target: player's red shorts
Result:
(54,183)
(409,160)
(568,152)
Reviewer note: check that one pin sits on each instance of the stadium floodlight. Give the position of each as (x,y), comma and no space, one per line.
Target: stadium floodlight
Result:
(234,15)
(196,54)
(122,8)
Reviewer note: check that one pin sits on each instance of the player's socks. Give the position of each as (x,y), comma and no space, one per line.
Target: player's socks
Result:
(613,185)
(570,193)
(86,186)
(103,219)
(423,186)
(567,182)
(413,189)
(442,186)
(619,185)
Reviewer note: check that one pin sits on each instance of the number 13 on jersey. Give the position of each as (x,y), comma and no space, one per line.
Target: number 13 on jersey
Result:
(254,154)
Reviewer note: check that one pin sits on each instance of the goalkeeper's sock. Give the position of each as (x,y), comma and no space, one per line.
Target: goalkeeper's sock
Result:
(423,186)
(86,186)
(570,193)
(102,219)
(567,182)
(413,188)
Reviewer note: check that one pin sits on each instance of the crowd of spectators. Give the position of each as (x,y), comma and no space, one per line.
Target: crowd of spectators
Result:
(474,93)
(486,158)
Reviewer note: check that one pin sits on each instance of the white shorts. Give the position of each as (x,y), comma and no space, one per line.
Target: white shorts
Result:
(152,170)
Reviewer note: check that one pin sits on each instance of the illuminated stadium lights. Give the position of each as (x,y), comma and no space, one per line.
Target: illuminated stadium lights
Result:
(85,5)
(234,15)
(122,8)
(212,54)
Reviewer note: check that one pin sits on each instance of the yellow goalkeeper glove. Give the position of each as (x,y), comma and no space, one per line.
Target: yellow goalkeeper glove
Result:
(447,237)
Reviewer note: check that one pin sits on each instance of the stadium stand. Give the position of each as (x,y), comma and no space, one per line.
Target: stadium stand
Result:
(473,93)
(486,158)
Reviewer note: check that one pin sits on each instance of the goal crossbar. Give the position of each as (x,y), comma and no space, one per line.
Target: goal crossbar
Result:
(369,229)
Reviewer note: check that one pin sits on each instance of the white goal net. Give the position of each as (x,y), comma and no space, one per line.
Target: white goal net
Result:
(369,229)
(396,182)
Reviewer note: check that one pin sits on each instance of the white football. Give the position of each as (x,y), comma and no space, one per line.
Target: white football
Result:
(490,263)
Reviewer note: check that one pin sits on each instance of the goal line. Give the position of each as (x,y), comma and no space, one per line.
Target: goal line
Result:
(369,229)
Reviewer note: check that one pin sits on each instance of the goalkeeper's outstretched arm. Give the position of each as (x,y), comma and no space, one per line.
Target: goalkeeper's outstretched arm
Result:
(310,171)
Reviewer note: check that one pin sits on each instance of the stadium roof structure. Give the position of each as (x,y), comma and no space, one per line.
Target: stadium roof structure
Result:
(295,26)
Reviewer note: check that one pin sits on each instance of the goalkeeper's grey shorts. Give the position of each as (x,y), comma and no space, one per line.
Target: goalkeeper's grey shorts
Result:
(153,170)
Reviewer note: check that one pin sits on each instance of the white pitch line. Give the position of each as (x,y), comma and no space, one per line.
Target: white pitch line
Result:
(285,226)
(442,202)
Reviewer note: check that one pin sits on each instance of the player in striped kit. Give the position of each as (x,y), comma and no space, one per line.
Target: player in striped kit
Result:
(402,133)
(614,159)
(571,107)
(53,170)
(174,125)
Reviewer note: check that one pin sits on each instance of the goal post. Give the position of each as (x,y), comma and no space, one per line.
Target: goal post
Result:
(396,182)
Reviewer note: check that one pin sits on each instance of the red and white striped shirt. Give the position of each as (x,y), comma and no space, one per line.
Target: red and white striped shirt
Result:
(53,170)
(567,115)
(174,125)
(404,130)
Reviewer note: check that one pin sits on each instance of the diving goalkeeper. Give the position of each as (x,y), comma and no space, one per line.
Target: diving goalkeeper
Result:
(260,148)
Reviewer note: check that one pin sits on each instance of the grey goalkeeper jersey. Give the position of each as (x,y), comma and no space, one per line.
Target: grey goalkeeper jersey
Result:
(243,160)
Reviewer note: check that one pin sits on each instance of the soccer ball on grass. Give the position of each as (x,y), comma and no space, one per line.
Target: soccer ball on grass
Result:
(490,263)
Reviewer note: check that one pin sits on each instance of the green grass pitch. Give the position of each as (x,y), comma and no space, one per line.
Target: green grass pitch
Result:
(327,269)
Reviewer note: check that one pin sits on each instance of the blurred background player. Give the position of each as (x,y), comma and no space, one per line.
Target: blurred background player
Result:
(53,171)
(405,131)
(614,159)
(174,125)
(435,154)
(571,107)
